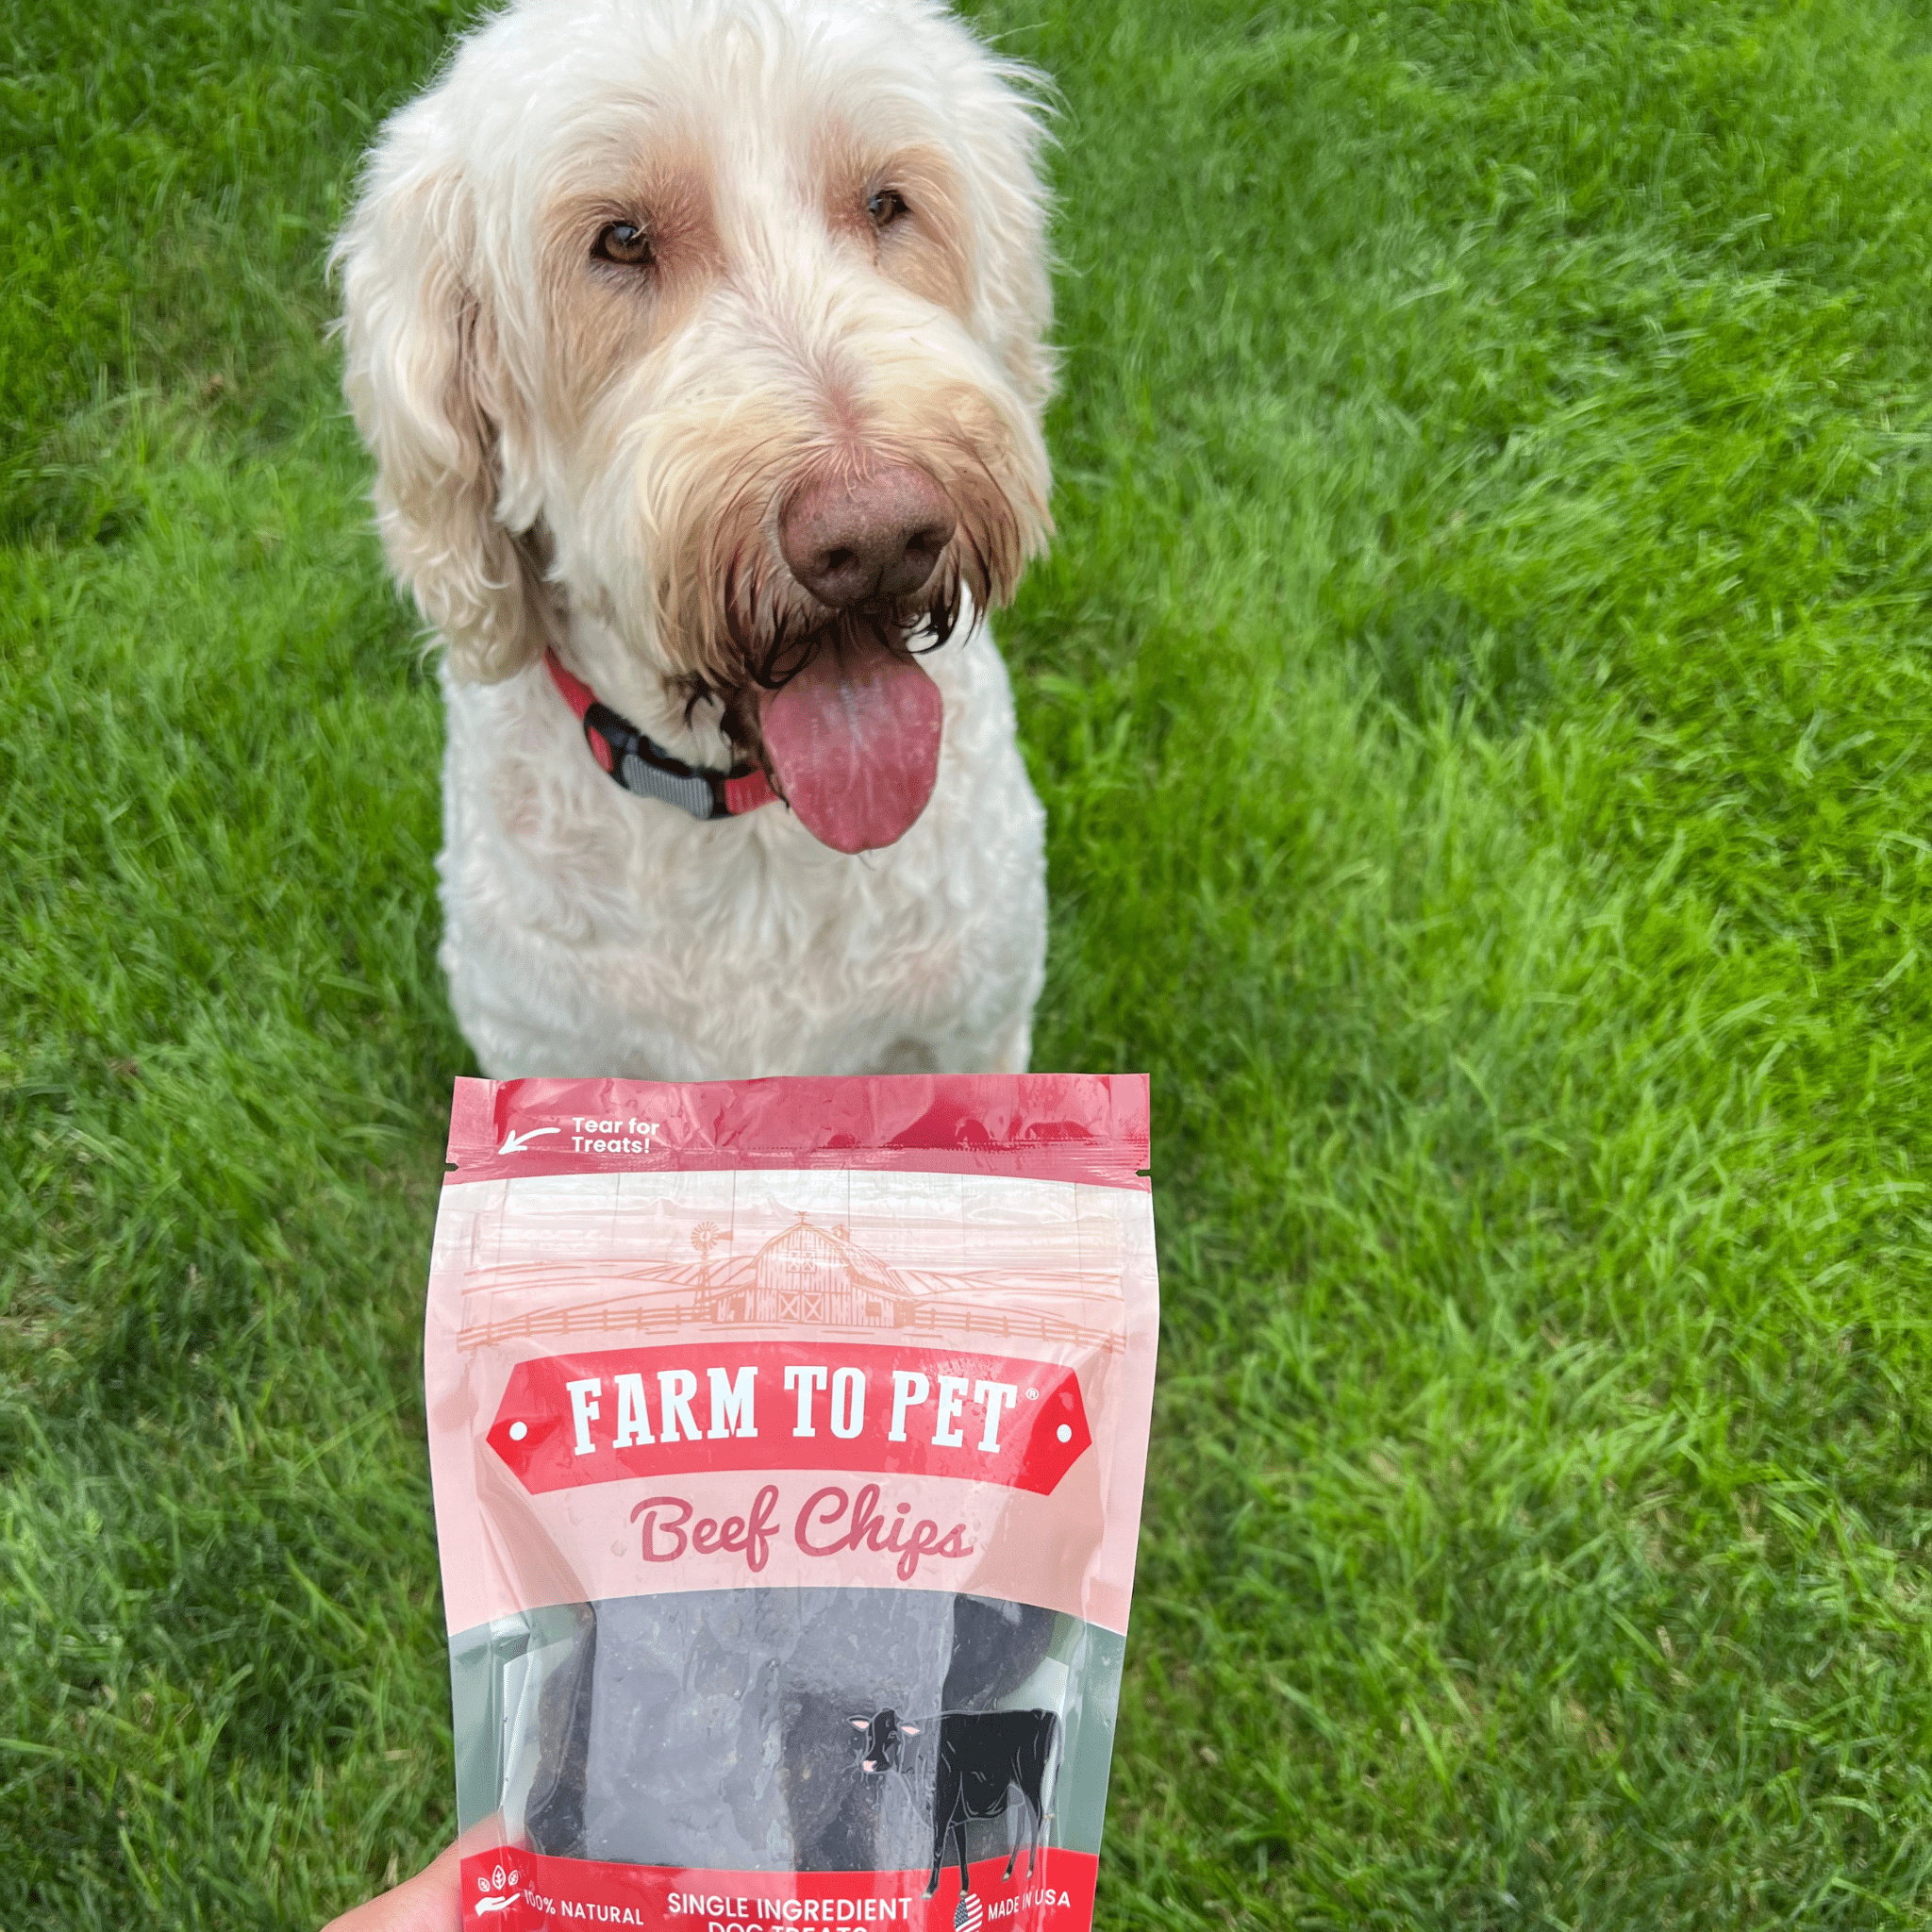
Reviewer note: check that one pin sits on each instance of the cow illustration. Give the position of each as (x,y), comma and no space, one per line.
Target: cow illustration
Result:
(984,1759)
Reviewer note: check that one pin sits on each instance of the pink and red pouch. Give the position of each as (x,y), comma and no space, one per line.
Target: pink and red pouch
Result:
(788,1439)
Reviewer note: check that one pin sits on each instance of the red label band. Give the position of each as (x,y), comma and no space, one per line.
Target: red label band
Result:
(524,1891)
(566,1421)
(1088,1127)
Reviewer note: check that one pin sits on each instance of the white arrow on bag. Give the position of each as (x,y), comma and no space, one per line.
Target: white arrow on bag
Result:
(515,1143)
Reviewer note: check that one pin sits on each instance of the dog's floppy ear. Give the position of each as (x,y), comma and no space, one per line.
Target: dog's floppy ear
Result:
(426,380)
(1007,105)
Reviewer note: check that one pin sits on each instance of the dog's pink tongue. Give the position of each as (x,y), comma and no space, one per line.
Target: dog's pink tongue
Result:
(854,741)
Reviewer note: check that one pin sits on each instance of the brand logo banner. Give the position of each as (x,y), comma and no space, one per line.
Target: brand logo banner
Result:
(567,1421)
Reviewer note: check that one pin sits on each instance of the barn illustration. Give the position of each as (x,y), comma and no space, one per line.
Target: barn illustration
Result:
(806,1273)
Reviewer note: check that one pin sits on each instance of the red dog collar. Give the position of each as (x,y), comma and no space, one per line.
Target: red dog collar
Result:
(648,769)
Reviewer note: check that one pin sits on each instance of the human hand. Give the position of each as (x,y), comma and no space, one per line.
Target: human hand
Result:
(431,1902)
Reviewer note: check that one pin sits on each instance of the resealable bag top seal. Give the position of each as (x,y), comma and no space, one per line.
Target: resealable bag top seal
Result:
(1041,1126)
(788,1439)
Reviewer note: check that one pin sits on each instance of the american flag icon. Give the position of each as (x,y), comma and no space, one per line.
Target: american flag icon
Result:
(970,1916)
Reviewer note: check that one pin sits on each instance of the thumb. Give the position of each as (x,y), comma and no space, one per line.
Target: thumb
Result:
(431,1902)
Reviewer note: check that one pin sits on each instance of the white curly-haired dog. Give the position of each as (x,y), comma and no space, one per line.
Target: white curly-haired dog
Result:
(700,345)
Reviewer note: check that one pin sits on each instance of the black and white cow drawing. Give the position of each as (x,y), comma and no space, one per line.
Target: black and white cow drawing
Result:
(983,1760)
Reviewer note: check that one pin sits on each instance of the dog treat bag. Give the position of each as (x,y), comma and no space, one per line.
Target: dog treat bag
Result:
(787,1439)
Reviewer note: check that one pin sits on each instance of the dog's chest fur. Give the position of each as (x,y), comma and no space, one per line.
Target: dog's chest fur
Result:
(588,931)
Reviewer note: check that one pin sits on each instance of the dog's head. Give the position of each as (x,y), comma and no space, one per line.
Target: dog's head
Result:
(721,323)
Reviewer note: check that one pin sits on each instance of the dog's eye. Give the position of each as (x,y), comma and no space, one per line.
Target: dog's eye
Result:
(886,207)
(623,242)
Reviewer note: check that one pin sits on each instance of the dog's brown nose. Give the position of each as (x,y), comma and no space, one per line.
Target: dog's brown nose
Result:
(851,539)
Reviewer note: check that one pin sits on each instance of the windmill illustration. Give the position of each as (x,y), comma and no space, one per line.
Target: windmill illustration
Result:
(704,1237)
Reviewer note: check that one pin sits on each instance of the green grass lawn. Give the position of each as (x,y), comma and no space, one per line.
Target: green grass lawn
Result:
(1481,695)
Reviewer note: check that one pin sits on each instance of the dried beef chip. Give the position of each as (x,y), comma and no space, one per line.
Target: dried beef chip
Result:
(715,1728)
(996,1647)
(554,1812)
